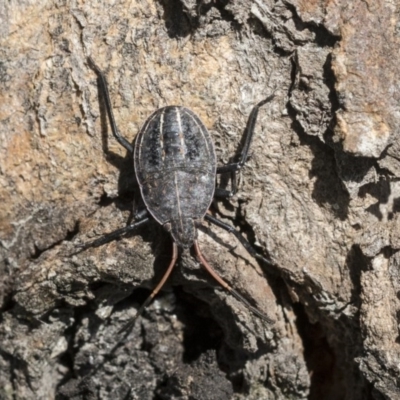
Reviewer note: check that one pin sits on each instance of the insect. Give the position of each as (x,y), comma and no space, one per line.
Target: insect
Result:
(175,166)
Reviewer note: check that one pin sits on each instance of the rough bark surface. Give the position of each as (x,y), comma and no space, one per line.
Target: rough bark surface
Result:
(319,197)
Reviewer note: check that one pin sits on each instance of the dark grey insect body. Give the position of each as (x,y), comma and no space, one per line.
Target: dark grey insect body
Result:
(175,165)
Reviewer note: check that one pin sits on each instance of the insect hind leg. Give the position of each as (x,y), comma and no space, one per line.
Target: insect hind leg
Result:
(106,95)
(234,167)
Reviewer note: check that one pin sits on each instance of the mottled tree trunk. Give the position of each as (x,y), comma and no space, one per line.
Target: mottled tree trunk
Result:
(319,197)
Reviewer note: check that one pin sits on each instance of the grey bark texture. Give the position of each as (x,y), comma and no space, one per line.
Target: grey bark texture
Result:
(319,197)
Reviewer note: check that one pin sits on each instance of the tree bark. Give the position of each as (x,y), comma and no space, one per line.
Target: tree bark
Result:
(319,197)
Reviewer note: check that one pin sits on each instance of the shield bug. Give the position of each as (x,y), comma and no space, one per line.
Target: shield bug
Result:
(176,168)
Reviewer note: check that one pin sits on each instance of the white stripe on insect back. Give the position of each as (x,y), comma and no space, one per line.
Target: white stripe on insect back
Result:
(183,149)
(162,136)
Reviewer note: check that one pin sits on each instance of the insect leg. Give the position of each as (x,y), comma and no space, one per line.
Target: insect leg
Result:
(140,214)
(153,294)
(108,237)
(227,287)
(239,236)
(234,167)
(104,88)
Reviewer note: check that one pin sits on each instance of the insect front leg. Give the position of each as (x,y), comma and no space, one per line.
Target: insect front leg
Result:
(109,237)
(246,244)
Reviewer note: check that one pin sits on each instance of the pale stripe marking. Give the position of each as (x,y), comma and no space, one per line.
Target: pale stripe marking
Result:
(162,136)
(181,136)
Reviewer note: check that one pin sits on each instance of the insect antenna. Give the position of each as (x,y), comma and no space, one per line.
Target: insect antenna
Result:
(153,294)
(227,287)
